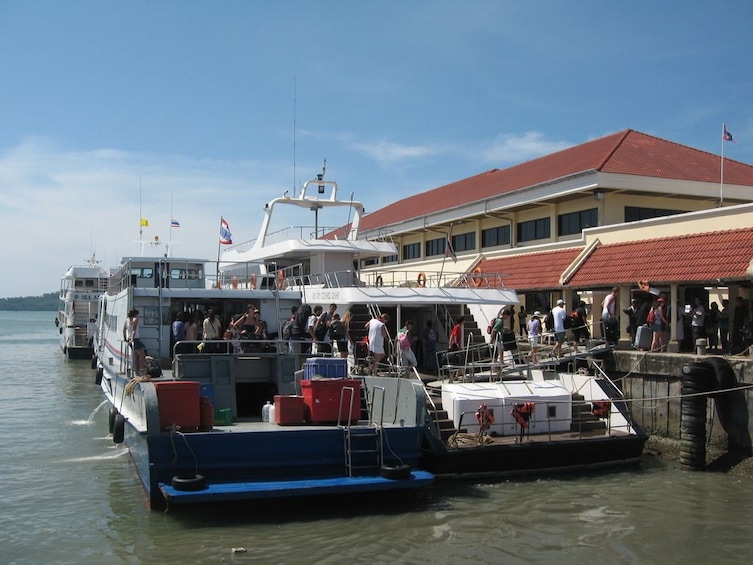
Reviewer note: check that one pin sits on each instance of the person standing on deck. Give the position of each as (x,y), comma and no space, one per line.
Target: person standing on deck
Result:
(137,346)
(377,335)
(534,334)
(431,341)
(212,327)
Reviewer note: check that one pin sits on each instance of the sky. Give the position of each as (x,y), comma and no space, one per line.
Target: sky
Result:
(201,109)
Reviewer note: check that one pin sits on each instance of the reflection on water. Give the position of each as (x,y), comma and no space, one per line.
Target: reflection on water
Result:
(71,496)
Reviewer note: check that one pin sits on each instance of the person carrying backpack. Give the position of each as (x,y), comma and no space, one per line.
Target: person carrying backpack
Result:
(338,336)
(299,333)
(321,329)
(406,357)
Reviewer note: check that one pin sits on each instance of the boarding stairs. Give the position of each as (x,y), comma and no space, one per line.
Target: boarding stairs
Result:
(583,419)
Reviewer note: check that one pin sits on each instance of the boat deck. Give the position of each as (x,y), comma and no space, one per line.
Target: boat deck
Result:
(468,440)
(279,489)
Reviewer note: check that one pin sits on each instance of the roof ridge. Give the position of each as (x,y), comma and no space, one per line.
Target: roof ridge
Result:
(617,145)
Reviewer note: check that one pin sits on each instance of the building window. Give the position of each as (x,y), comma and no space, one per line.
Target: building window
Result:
(411,251)
(463,242)
(435,246)
(534,229)
(369,262)
(634,213)
(495,236)
(576,222)
(389,259)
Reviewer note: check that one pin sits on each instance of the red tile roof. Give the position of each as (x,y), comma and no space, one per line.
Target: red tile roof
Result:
(628,152)
(532,271)
(699,258)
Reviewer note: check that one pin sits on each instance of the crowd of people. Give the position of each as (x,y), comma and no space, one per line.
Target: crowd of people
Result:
(725,329)
(317,330)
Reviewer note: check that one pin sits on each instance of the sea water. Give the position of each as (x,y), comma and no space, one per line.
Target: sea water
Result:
(69,495)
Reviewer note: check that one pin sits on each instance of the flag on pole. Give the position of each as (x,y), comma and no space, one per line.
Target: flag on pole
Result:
(449,251)
(727,136)
(144,223)
(226,238)
(174,223)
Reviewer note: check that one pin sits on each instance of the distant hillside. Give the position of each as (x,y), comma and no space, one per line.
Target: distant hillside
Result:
(46,303)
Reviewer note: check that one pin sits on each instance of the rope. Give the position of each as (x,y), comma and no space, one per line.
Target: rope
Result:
(131,386)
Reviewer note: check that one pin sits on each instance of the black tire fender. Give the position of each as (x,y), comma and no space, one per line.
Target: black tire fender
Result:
(111,422)
(396,473)
(184,483)
(118,429)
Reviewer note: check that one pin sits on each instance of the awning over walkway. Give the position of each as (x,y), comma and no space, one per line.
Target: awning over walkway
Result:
(720,257)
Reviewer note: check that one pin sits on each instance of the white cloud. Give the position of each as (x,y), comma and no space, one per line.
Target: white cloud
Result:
(388,153)
(510,149)
(60,205)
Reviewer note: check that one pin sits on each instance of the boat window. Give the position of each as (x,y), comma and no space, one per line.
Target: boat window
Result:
(143,272)
(552,412)
(185,274)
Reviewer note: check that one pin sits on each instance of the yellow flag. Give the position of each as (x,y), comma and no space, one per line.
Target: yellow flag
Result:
(144,223)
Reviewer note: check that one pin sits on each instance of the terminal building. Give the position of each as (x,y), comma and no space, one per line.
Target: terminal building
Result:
(629,210)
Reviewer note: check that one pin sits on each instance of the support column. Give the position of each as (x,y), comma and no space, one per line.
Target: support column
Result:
(624,303)
(675,318)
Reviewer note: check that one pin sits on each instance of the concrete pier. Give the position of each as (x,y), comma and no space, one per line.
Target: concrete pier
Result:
(654,380)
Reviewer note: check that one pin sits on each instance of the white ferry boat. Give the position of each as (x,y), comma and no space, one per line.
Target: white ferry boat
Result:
(80,289)
(484,416)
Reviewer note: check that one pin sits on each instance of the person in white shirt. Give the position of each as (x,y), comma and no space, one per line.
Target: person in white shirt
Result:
(559,314)
(377,335)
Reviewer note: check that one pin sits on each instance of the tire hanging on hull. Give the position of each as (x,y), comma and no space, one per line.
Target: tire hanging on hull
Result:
(118,429)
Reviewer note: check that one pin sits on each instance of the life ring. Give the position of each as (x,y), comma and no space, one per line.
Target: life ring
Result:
(379,281)
(484,418)
(396,473)
(118,429)
(111,423)
(280,280)
(422,279)
(194,483)
(253,281)
(476,278)
(234,282)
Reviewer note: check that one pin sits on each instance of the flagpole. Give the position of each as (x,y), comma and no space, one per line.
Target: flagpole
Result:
(170,227)
(219,244)
(721,169)
(141,223)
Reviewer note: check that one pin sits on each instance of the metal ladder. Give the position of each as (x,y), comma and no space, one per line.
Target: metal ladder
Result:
(364,442)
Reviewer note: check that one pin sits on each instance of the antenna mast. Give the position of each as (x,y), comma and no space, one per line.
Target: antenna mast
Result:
(295,99)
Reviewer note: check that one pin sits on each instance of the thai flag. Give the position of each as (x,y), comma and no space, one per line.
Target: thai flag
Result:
(226,238)
(174,223)
(727,136)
